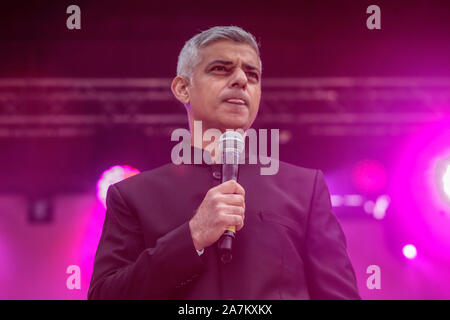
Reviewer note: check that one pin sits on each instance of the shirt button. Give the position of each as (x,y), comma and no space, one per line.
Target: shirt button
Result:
(217,175)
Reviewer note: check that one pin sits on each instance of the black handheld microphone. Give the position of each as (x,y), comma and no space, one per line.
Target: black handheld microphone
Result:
(231,145)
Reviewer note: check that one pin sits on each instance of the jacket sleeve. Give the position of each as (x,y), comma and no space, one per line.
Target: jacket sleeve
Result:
(125,269)
(329,272)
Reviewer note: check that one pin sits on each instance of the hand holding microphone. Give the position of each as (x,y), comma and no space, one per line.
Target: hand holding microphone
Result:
(222,210)
(222,207)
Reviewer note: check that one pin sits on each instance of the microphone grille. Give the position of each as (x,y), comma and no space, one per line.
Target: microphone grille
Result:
(231,141)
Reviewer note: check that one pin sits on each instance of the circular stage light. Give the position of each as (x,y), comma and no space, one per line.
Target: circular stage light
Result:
(446,181)
(369,175)
(111,176)
(419,189)
(410,251)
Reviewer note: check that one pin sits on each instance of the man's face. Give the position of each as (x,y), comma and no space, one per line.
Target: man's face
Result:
(225,88)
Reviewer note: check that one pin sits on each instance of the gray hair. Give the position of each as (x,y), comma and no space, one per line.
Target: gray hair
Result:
(188,58)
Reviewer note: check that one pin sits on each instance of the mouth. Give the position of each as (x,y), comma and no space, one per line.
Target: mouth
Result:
(236,101)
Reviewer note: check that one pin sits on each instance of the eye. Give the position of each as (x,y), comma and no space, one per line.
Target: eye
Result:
(219,68)
(253,75)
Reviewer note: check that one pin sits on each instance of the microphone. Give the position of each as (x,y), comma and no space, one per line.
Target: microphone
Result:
(231,145)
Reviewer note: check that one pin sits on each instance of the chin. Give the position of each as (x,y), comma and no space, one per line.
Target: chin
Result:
(234,124)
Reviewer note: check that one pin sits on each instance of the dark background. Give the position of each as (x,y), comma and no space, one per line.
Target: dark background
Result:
(298,38)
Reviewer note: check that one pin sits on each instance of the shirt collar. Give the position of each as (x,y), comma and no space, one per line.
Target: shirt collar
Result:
(205,157)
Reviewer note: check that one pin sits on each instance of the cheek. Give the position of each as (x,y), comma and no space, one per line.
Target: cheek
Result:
(256,98)
(205,94)
(198,99)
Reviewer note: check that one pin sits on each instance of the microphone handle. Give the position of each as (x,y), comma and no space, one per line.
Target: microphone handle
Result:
(229,172)
(226,246)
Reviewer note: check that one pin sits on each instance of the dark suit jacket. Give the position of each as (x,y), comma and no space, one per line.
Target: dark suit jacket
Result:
(291,246)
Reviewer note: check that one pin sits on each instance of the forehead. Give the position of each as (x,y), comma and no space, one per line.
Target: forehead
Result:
(229,50)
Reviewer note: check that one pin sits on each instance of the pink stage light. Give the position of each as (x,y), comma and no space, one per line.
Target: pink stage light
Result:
(418,188)
(446,181)
(111,176)
(369,175)
(410,251)
(381,205)
(94,220)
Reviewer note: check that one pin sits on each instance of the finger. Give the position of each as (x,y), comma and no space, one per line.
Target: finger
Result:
(229,220)
(231,186)
(233,210)
(239,227)
(236,221)
(234,200)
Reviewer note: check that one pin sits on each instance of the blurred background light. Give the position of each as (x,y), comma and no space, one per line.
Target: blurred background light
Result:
(353,200)
(368,206)
(446,181)
(336,200)
(113,175)
(369,175)
(409,251)
(40,210)
(419,189)
(381,205)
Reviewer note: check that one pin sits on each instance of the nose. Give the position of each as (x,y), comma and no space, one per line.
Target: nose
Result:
(238,79)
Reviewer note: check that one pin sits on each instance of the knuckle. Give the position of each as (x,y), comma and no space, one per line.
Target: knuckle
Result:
(221,218)
(220,209)
(210,196)
(215,198)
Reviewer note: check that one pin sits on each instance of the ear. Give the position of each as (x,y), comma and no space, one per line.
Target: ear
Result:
(180,89)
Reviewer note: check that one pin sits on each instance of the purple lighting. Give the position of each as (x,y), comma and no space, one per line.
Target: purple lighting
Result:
(369,175)
(381,205)
(418,187)
(410,251)
(446,181)
(111,176)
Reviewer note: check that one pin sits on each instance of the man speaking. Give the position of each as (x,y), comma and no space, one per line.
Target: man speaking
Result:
(187,232)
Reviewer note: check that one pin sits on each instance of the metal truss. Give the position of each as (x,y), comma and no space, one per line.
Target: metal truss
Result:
(320,106)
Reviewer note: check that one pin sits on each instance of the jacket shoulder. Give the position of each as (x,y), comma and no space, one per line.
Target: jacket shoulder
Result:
(148,178)
(289,168)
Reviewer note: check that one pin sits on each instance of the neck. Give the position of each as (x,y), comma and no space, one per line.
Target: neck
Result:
(208,146)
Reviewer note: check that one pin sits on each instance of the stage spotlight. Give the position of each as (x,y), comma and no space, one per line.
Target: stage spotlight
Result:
(111,176)
(409,251)
(442,178)
(369,175)
(419,189)
(336,200)
(446,181)
(353,200)
(381,205)
(368,206)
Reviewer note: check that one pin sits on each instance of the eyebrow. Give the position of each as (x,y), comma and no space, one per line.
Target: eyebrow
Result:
(227,63)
